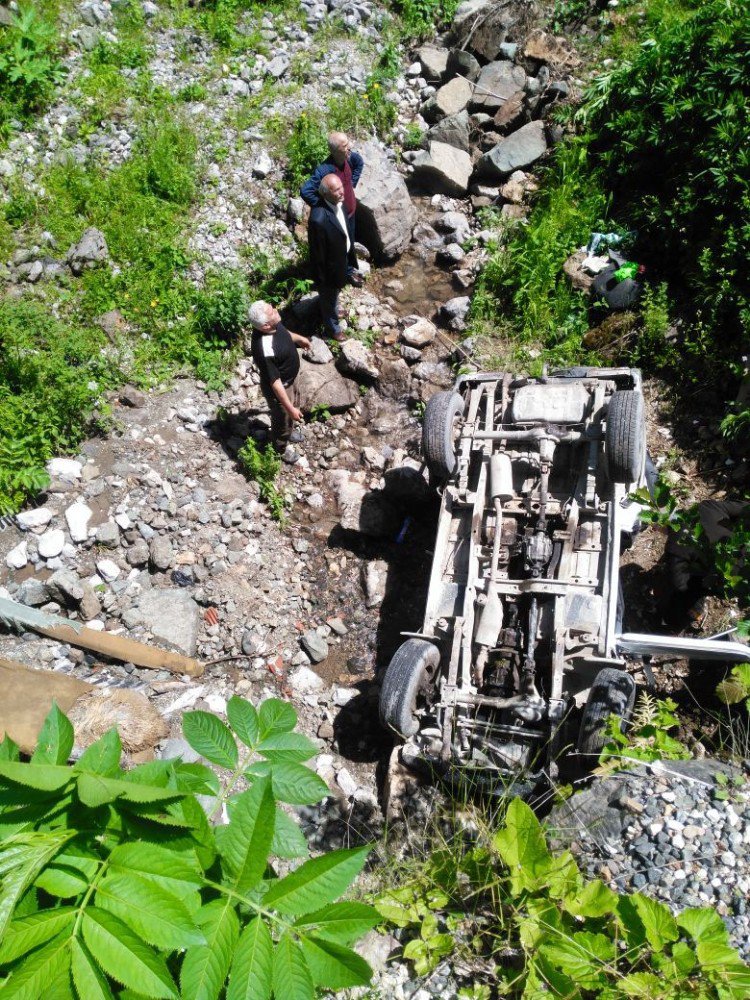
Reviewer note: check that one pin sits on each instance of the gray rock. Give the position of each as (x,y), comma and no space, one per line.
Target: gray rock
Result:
(51,543)
(323,386)
(497,82)
(451,255)
(277,66)
(520,149)
(18,556)
(33,593)
(130,396)
(89,251)
(462,62)
(150,10)
(455,223)
(508,50)
(451,98)
(77,517)
(296,209)
(138,553)
(395,379)
(263,165)
(482,26)
(87,37)
(89,607)
(455,311)
(356,361)
(374,579)
(108,534)
(434,61)
(318,353)
(444,169)
(315,646)
(161,553)
(386,214)
(367,512)
(453,131)
(302,681)
(419,332)
(65,586)
(170,614)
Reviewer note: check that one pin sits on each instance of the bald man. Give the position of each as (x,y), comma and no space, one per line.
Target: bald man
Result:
(332,254)
(347,166)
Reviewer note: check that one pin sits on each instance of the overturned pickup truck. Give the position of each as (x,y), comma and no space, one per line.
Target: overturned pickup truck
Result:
(521,655)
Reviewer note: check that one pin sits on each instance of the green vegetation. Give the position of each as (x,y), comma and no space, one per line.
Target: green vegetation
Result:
(542,929)
(115,878)
(263,466)
(422,17)
(29,62)
(647,737)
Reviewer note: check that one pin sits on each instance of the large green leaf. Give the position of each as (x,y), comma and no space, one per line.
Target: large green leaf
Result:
(317,882)
(29,932)
(334,966)
(584,957)
(89,980)
(153,913)
(55,740)
(658,923)
(595,899)
(124,957)
(291,976)
(290,747)
(288,839)
(342,922)
(179,874)
(723,966)
(297,784)
(247,840)
(9,749)
(209,737)
(30,979)
(276,716)
(102,757)
(703,925)
(96,790)
(522,846)
(70,873)
(43,777)
(20,864)
(205,967)
(251,975)
(244,720)
(195,778)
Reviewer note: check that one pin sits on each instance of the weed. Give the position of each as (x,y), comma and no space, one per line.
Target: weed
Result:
(413,136)
(29,62)
(263,466)
(169,150)
(192,92)
(420,17)
(306,147)
(320,413)
(221,306)
(646,739)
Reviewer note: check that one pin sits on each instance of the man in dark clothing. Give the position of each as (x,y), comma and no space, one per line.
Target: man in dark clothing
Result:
(331,251)
(274,350)
(347,166)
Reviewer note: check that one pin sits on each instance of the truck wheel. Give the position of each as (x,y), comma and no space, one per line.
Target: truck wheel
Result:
(439,432)
(612,693)
(625,439)
(408,676)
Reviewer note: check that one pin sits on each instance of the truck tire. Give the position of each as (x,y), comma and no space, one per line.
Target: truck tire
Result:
(438,432)
(612,693)
(625,439)
(408,676)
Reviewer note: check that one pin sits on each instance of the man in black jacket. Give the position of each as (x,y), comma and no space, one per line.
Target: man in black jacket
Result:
(274,350)
(331,251)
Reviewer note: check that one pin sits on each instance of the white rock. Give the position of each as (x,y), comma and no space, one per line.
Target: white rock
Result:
(108,570)
(95,625)
(17,557)
(346,782)
(216,703)
(342,696)
(29,520)
(78,516)
(64,468)
(123,521)
(51,543)
(305,681)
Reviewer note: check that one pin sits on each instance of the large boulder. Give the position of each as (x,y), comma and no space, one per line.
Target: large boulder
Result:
(481,26)
(449,99)
(520,149)
(453,131)
(434,61)
(386,215)
(497,83)
(549,49)
(443,169)
(321,386)
(169,614)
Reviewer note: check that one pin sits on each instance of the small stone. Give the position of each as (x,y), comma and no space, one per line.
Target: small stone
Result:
(302,680)
(64,468)
(161,552)
(346,782)
(138,553)
(108,570)
(315,646)
(30,520)
(17,557)
(77,517)
(130,396)
(336,625)
(51,543)
(108,535)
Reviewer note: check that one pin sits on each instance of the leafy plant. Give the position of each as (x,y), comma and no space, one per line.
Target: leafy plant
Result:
(221,305)
(420,17)
(116,878)
(647,737)
(263,465)
(320,413)
(413,136)
(306,147)
(543,929)
(736,688)
(29,63)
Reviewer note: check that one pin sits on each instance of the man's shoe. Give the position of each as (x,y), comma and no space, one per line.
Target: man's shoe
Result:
(356,279)
(339,337)
(295,437)
(289,456)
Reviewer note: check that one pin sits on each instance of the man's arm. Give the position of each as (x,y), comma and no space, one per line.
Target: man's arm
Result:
(299,340)
(309,190)
(281,394)
(357,164)
(316,242)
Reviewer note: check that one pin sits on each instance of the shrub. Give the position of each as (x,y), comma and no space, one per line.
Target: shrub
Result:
(29,64)
(263,465)
(51,376)
(169,149)
(117,879)
(221,305)
(306,147)
(421,17)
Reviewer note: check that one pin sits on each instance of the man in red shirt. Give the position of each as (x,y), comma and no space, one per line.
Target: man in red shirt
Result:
(347,166)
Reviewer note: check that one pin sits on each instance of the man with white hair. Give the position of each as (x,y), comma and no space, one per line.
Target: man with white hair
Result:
(274,350)
(347,166)
(331,252)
